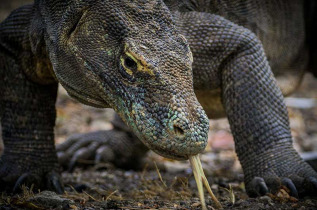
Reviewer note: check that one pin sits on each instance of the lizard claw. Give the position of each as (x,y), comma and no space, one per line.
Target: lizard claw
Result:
(311,185)
(291,186)
(257,187)
(55,183)
(104,154)
(25,179)
(314,182)
(83,154)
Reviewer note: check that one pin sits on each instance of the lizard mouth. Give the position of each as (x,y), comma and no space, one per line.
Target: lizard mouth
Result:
(170,155)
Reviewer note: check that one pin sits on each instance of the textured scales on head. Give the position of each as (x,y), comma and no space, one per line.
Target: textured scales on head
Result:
(128,55)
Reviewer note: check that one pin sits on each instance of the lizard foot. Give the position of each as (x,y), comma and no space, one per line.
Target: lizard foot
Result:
(51,181)
(298,186)
(291,172)
(13,177)
(120,148)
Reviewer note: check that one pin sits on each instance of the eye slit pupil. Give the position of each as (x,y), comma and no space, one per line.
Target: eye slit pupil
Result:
(130,63)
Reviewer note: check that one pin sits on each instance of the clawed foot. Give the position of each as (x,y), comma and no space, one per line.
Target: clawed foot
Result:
(50,181)
(298,186)
(113,146)
(12,179)
(293,173)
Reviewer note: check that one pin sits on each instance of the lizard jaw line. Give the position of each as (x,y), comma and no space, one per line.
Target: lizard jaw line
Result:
(91,101)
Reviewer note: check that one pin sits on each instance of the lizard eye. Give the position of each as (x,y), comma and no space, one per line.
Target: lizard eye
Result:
(128,67)
(130,63)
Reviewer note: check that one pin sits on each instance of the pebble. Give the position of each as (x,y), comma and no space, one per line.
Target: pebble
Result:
(309,202)
(50,200)
(196,204)
(266,199)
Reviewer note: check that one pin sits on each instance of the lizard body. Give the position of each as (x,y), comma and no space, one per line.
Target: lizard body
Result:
(145,59)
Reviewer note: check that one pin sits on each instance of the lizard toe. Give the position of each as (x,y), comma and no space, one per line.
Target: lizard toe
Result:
(63,157)
(74,148)
(287,182)
(310,186)
(54,182)
(104,154)
(27,179)
(314,182)
(304,185)
(62,147)
(85,153)
(257,187)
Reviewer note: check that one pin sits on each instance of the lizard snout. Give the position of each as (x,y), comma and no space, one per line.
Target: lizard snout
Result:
(178,131)
(186,135)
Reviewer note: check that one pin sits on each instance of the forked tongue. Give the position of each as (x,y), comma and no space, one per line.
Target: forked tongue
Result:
(200,180)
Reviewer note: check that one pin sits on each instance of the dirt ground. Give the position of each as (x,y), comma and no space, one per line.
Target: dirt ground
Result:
(171,184)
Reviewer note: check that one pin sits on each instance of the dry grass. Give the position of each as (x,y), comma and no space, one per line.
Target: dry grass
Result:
(20,200)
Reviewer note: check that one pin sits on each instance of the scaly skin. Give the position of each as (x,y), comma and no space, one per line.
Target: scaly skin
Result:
(118,146)
(27,116)
(133,56)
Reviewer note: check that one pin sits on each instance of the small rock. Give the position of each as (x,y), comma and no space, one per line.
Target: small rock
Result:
(182,203)
(309,202)
(73,207)
(282,194)
(267,200)
(49,200)
(238,203)
(210,207)
(196,204)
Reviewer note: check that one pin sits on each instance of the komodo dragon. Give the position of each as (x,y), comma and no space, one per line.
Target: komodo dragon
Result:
(134,56)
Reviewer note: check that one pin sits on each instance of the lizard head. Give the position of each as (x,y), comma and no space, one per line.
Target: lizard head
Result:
(129,56)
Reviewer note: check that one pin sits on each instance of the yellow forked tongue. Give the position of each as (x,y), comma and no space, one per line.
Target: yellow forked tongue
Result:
(200,179)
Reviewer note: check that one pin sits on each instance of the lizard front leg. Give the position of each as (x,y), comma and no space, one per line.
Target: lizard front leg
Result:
(259,122)
(27,130)
(27,114)
(27,125)
(231,58)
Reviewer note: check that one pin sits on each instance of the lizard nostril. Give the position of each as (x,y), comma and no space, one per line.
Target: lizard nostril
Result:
(178,131)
